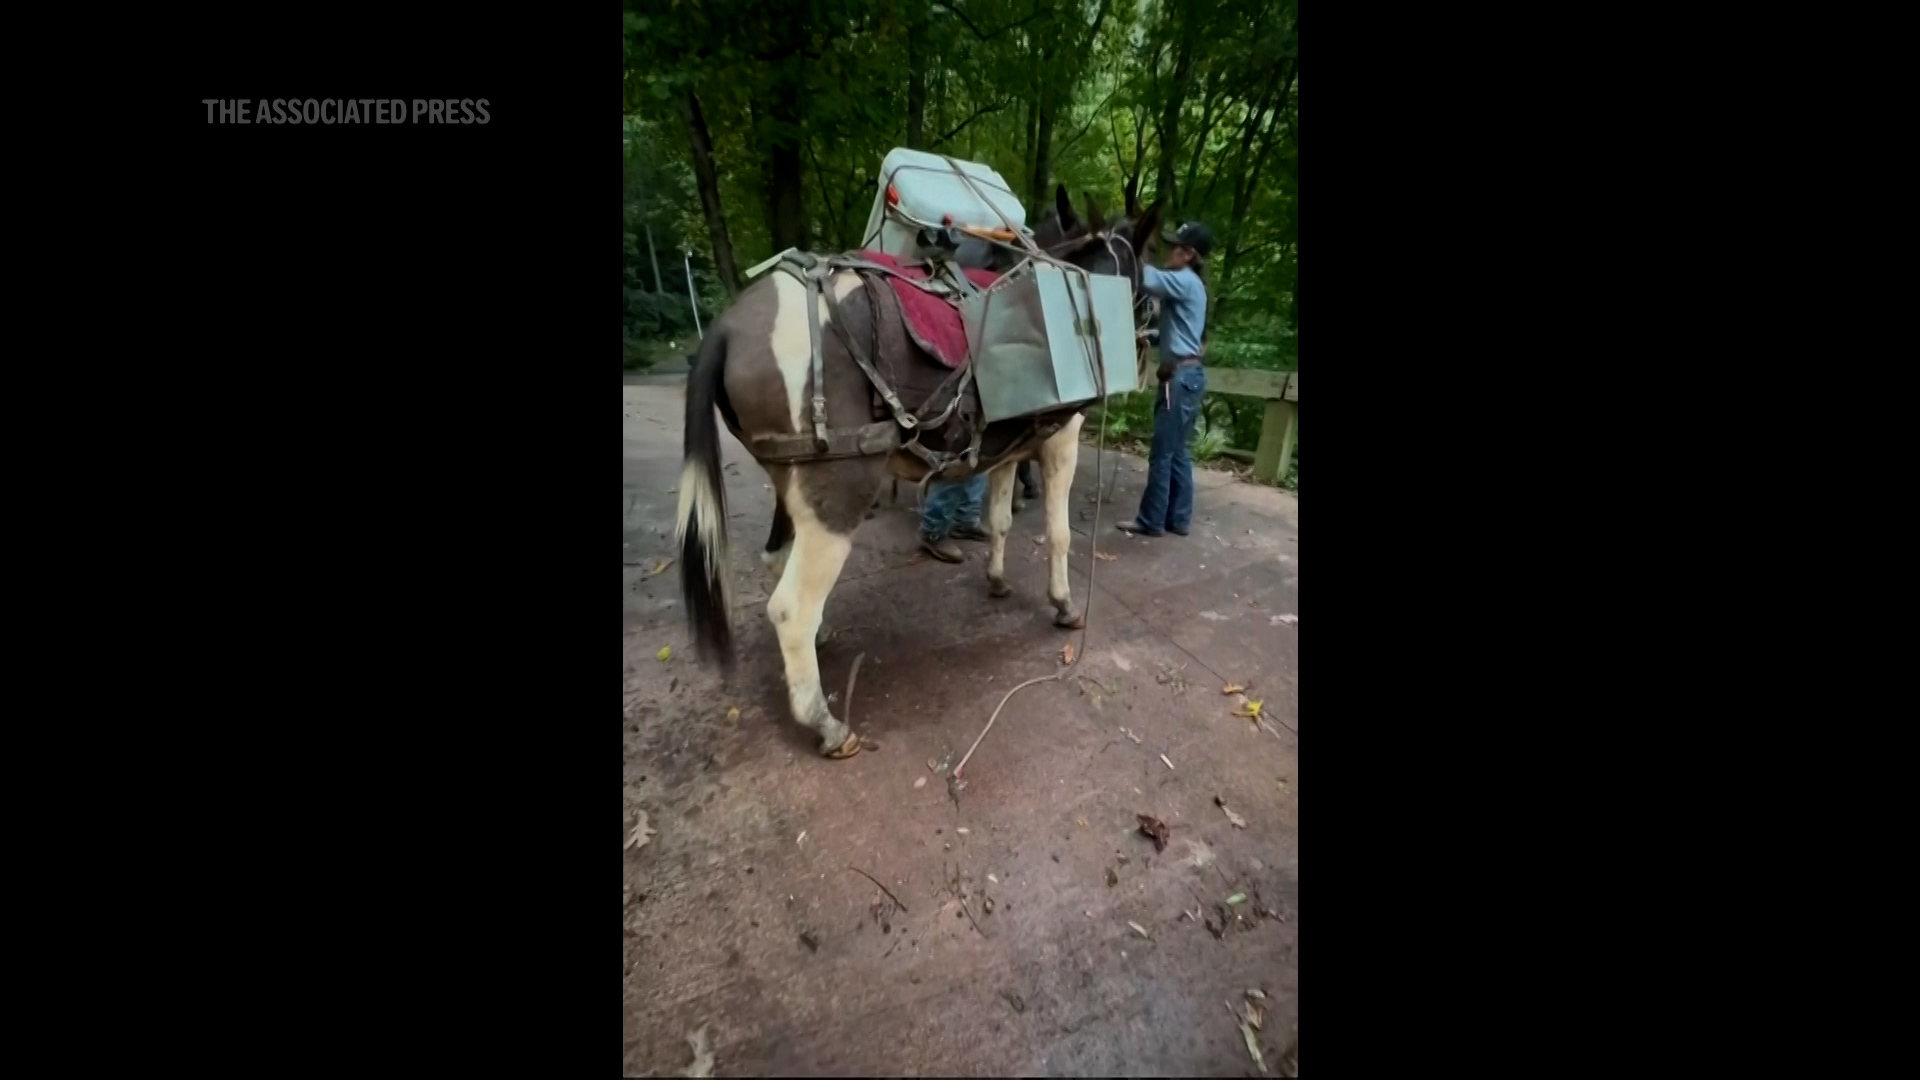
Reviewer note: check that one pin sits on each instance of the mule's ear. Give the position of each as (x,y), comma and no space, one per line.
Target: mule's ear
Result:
(1063,209)
(1146,231)
(1096,221)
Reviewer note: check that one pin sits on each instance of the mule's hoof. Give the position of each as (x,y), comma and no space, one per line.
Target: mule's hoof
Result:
(1067,620)
(847,749)
(998,589)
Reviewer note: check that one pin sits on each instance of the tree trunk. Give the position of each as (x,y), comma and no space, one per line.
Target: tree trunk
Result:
(779,127)
(1200,140)
(709,182)
(1033,121)
(786,211)
(1176,98)
(1042,162)
(656,260)
(916,84)
(1247,180)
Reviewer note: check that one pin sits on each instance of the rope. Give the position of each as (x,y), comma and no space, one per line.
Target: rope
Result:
(1099,463)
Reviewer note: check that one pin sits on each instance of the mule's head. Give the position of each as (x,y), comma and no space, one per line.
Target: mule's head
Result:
(1095,244)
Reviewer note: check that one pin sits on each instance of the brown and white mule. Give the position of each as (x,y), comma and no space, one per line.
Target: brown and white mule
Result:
(755,367)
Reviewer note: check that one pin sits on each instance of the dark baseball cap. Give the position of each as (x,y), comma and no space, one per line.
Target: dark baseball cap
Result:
(1193,235)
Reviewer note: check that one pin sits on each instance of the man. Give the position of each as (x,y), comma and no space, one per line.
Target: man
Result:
(1028,491)
(952,511)
(1167,504)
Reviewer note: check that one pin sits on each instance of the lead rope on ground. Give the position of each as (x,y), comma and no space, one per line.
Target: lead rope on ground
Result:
(955,782)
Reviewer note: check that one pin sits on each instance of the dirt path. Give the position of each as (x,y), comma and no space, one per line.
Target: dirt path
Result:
(1009,949)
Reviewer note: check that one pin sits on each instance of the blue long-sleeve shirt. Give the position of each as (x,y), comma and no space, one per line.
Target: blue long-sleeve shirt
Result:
(1183,303)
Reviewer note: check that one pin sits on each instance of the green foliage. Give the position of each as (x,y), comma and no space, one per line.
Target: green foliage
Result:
(1207,442)
(839,79)
(652,316)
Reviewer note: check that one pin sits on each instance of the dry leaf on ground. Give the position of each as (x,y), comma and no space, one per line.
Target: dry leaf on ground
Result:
(1066,654)
(1138,929)
(702,1064)
(1249,709)
(1153,829)
(733,713)
(1238,821)
(641,834)
(920,783)
(665,652)
(1104,557)
(660,567)
(1232,688)
(1253,1044)
(1290,620)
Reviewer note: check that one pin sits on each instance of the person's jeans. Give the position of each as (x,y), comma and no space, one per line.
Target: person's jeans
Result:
(1167,504)
(950,503)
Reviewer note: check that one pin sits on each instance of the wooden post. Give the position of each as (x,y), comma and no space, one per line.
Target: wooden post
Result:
(1277,429)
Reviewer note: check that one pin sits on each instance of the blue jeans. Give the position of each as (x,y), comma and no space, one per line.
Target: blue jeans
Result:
(950,503)
(1167,504)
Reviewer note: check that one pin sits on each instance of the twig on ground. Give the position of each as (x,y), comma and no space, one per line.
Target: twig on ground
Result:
(882,888)
(847,702)
(971,919)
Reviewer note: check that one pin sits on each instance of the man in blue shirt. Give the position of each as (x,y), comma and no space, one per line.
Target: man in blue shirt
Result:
(1167,504)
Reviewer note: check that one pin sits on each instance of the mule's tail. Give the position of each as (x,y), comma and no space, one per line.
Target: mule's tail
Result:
(701,528)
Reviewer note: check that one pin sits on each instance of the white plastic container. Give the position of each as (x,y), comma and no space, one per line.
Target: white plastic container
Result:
(929,190)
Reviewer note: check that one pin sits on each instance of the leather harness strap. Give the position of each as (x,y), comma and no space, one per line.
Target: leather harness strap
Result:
(881,437)
(905,418)
(815,276)
(884,436)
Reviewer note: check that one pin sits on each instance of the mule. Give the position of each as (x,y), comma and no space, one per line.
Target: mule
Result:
(755,370)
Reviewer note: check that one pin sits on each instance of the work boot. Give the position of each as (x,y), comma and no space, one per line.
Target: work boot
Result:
(943,549)
(968,531)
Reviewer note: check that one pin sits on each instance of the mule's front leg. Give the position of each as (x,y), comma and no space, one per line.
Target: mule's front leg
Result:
(999,520)
(812,568)
(1059,456)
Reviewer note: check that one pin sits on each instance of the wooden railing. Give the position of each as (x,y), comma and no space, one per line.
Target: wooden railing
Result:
(1281,391)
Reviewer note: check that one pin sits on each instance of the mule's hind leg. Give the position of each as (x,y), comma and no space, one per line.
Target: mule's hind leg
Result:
(826,503)
(999,519)
(1059,456)
(780,539)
